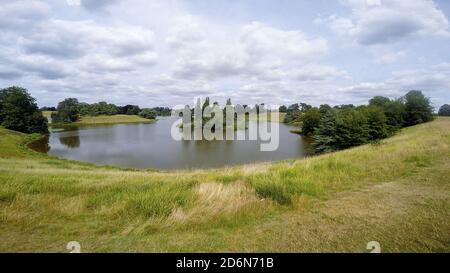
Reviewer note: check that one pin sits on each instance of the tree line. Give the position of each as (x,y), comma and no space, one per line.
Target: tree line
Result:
(70,110)
(340,127)
(333,128)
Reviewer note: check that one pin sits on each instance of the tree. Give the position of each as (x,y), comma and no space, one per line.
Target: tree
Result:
(310,121)
(444,111)
(293,114)
(148,113)
(324,108)
(67,111)
(84,109)
(395,112)
(377,122)
(47,108)
(418,108)
(379,101)
(283,109)
(163,111)
(19,111)
(304,107)
(325,135)
(352,128)
(103,108)
(129,110)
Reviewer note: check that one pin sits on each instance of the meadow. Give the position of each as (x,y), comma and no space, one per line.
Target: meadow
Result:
(395,191)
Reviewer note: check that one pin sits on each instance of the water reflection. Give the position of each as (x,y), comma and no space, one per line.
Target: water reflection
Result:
(152,146)
(41,145)
(71,142)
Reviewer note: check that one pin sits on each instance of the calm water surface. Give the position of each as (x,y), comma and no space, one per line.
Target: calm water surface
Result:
(151,146)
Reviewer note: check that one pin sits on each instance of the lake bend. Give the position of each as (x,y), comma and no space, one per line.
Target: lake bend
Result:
(150,145)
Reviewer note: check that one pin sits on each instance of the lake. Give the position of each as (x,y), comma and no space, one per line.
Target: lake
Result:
(152,146)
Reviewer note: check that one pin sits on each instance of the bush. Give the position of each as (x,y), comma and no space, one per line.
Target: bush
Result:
(148,113)
(19,112)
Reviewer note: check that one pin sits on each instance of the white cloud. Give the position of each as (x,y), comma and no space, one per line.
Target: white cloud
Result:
(251,51)
(390,57)
(320,73)
(381,22)
(164,53)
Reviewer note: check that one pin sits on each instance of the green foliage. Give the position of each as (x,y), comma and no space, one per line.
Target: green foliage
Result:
(148,113)
(103,108)
(283,109)
(310,121)
(325,137)
(444,111)
(352,128)
(163,111)
(377,122)
(379,101)
(19,112)
(129,110)
(346,126)
(292,113)
(324,108)
(418,108)
(395,112)
(67,111)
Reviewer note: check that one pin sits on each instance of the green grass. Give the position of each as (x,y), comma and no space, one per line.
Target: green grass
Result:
(114,119)
(268,118)
(396,192)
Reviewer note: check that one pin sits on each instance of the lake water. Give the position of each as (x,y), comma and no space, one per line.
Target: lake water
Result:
(151,146)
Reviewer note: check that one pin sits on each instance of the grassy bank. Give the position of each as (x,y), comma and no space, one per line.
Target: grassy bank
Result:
(114,119)
(396,192)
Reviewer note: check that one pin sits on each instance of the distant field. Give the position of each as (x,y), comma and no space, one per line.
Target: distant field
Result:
(396,192)
(280,118)
(89,120)
(48,115)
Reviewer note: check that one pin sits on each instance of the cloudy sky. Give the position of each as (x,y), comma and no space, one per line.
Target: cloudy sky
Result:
(164,53)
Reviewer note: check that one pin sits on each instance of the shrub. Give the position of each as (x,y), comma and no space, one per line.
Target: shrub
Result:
(148,113)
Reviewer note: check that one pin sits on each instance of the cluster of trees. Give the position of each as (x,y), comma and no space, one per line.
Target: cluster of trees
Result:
(19,111)
(444,111)
(70,110)
(345,126)
(294,112)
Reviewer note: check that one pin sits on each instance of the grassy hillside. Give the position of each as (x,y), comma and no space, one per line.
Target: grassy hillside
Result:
(114,119)
(396,192)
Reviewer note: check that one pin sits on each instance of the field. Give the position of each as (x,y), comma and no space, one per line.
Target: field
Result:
(396,192)
(114,119)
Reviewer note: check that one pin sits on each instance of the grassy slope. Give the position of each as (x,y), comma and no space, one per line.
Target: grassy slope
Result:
(396,192)
(115,119)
